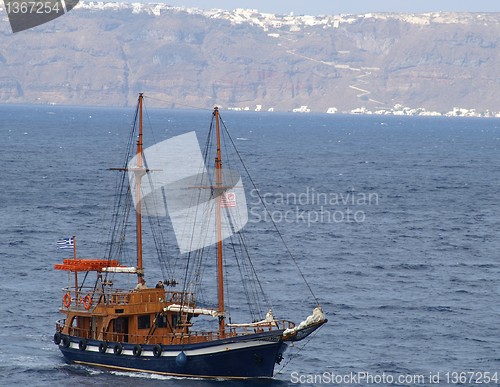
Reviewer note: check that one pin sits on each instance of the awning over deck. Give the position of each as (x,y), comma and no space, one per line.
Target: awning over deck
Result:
(86,264)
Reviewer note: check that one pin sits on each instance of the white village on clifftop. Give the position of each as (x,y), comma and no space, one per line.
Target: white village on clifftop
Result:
(398,110)
(273,23)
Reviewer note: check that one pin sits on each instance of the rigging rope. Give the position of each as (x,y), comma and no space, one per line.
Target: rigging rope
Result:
(291,357)
(268,213)
(115,245)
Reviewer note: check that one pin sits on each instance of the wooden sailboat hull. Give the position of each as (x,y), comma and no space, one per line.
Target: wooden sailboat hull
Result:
(246,356)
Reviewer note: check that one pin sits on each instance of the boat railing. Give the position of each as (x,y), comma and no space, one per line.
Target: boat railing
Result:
(286,324)
(86,298)
(261,327)
(179,337)
(183,298)
(82,299)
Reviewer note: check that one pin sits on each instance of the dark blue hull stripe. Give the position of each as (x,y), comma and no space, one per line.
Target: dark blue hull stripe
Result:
(230,358)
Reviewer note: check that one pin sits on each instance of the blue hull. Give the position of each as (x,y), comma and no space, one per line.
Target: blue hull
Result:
(241,357)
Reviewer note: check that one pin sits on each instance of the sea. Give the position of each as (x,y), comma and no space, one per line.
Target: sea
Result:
(393,221)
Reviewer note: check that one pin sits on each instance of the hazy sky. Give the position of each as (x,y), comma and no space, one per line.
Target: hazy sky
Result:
(316,7)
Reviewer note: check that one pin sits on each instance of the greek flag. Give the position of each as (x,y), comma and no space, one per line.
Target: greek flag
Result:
(66,243)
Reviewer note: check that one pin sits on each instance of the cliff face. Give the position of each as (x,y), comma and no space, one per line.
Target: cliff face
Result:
(105,55)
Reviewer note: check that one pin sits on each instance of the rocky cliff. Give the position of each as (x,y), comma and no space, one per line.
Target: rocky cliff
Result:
(104,54)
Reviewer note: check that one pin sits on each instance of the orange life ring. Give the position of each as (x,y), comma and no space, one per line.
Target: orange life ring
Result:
(67,300)
(87,302)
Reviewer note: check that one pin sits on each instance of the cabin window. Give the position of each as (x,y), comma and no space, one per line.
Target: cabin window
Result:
(161,321)
(143,322)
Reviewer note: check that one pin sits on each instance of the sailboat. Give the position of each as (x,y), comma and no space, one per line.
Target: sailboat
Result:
(172,329)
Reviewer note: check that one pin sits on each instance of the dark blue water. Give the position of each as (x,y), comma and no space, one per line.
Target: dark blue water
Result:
(394,221)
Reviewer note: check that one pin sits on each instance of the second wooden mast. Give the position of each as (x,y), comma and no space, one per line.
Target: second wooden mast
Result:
(219,192)
(139,173)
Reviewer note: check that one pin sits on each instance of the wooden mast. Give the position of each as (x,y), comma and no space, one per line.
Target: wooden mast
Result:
(219,192)
(138,177)
(139,172)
